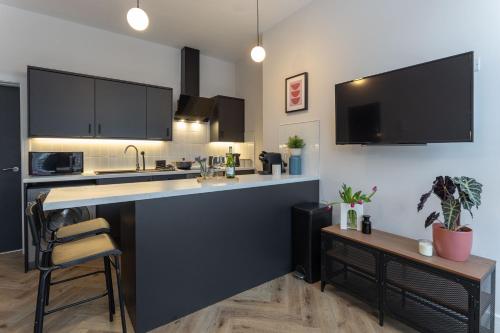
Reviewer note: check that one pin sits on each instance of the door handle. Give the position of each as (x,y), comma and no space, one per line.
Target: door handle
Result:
(13,169)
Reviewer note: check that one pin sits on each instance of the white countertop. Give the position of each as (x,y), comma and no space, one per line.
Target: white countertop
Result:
(78,196)
(91,175)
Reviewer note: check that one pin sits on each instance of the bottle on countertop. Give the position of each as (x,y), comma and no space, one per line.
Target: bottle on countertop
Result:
(230,164)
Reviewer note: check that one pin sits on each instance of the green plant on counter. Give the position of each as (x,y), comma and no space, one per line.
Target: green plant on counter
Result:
(468,196)
(295,142)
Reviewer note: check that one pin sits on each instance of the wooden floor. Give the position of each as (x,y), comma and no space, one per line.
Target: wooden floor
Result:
(282,305)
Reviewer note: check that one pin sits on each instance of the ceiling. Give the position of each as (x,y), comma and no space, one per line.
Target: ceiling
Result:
(220,28)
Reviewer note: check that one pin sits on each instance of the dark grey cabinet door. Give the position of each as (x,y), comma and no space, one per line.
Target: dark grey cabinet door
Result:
(229,124)
(120,109)
(60,105)
(159,113)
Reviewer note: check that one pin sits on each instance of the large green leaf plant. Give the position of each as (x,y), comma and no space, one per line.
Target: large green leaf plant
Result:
(468,192)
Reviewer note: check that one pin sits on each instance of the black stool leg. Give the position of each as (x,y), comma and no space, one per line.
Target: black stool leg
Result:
(109,287)
(40,302)
(46,263)
(47,289)
(120,293)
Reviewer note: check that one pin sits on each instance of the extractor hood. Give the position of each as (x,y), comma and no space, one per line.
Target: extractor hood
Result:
(191,106)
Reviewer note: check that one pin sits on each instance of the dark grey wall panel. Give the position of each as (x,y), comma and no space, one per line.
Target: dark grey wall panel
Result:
(193,251)
(120,110)
(60,105)
(159,113)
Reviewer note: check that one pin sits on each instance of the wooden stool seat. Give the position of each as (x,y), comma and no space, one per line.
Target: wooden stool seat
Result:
(83,250)
(82,229)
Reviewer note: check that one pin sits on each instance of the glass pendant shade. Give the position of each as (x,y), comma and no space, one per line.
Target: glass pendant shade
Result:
(258,53)
(137,19)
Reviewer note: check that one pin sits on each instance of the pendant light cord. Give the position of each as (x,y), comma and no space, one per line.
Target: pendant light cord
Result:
(137,3)
(258,31)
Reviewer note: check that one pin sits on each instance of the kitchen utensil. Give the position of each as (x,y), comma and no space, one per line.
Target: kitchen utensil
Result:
(160,164)
(276,170)
(236,159)
(183,165)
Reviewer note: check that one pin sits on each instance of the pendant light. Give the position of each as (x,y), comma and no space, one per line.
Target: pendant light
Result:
(137,18)
(258,53)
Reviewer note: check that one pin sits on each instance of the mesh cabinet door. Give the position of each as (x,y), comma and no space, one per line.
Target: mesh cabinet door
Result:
(425,298)
(350,266)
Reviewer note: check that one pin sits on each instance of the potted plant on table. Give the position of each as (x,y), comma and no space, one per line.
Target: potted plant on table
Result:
(351,207)
(451,239)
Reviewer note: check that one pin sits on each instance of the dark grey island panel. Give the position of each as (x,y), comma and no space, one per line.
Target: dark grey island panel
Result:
(184,253)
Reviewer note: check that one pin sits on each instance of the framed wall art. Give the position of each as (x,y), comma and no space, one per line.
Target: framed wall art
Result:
(296,93)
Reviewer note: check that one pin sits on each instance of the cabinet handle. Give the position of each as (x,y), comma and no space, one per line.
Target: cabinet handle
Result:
(221,134)
(168,131)
(90,128)
(99,129)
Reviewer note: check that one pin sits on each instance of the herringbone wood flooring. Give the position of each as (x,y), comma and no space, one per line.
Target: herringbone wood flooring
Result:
(282,305)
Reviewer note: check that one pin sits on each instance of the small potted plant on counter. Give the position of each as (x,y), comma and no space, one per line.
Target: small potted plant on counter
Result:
(351,207)
(295,145)
(451,239)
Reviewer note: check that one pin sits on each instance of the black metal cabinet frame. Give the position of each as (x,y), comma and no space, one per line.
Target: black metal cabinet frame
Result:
(423,297)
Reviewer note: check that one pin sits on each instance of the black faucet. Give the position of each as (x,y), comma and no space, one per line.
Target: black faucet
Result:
(143,160)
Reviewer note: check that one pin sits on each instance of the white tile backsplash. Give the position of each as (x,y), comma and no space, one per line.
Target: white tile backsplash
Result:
(189,141)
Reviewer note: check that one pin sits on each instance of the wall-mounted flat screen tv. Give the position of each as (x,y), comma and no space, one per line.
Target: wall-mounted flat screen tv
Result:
(426,103)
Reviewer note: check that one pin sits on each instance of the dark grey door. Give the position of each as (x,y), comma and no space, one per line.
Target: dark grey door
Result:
(120,110)
(159,113)
(10,174)
(60,105)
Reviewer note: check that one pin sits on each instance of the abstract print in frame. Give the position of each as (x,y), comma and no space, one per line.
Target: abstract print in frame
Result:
(296,93)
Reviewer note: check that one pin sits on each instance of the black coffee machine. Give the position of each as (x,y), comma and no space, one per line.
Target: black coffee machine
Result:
(268,159)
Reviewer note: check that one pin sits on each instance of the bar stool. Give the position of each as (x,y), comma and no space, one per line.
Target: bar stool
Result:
(70,254)
(67,233)
(73,231)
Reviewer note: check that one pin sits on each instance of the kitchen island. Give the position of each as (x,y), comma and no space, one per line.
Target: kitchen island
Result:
(188,245)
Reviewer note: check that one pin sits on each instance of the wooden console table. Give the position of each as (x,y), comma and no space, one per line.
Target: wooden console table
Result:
(430,294)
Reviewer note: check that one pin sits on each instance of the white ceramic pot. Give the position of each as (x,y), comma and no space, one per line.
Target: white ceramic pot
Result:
(295,151)
(350,217)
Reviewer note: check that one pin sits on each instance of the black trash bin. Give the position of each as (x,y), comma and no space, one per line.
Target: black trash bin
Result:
(307,221)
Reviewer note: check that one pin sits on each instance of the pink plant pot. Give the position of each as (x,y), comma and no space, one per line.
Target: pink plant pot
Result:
(453,245)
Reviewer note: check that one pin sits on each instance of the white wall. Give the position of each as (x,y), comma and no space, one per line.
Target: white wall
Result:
(336,41)
(249,87)
(27,38)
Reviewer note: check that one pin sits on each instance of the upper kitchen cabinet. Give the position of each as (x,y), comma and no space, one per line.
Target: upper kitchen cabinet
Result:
(228,121)
(71,105)
(159,113)
(120,109)
(60,104)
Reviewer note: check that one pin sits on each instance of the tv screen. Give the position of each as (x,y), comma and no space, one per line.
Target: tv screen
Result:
(426,103)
